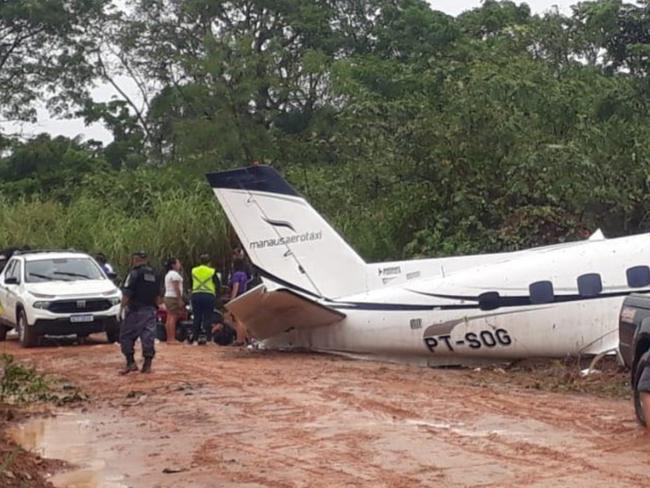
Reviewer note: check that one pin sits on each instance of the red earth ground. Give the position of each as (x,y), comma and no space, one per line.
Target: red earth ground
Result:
(211,416)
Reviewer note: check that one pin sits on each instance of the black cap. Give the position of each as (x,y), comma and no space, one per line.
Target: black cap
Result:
(140,254)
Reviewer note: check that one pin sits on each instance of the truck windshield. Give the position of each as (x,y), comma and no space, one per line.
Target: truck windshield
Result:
(64,269)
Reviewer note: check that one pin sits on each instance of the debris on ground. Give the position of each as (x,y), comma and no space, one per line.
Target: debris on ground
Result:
(572,375)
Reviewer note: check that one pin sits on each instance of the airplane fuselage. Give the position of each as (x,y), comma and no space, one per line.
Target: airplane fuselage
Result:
(482,306)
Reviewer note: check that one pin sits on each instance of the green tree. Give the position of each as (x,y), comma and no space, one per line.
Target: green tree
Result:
(48,166)
(42,48)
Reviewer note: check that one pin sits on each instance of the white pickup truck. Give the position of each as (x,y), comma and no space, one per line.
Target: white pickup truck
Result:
(57,293)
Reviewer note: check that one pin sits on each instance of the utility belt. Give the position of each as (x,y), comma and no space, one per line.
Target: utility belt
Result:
(203,292)
(138,307)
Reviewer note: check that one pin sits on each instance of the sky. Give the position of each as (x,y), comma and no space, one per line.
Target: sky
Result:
(454,7)
(76,127)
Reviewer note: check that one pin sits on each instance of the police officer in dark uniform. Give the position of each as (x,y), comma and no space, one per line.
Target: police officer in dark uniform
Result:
(141,296)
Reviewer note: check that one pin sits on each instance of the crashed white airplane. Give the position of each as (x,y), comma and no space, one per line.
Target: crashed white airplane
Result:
(318,294)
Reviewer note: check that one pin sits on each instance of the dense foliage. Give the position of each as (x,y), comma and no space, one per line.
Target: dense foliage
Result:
(415,132)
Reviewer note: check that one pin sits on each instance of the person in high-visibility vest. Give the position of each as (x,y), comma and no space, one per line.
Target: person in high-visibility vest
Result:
(205,290)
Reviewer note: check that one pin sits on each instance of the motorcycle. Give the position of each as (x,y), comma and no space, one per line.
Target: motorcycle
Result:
(224,335)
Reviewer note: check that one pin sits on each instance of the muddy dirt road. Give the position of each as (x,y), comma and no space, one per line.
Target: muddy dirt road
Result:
(213,416)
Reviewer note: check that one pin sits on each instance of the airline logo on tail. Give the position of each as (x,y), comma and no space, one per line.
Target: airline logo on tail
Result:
(282,241)
(279,223)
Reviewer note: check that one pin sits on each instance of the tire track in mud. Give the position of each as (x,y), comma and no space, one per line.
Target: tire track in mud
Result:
(520,452)
(338,449)
(494,450)
(312,420)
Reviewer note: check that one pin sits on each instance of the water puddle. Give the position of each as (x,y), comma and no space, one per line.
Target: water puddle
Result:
(71,437)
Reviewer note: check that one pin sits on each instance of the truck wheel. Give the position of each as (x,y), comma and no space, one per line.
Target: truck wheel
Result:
(113,334)
(26,334)
(638,406)
(3,332)
(113,331)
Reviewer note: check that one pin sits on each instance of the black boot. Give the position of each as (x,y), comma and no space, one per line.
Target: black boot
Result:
(146,367)
(130,365)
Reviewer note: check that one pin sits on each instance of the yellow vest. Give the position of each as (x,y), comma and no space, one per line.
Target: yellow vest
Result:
(203,280)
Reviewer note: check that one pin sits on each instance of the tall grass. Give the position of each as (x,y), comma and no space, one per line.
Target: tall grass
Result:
(180,223)
(168,212)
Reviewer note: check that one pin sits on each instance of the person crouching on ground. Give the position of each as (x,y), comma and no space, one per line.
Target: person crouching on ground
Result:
(173,298)
(222,333)
(205,284)
(140,298)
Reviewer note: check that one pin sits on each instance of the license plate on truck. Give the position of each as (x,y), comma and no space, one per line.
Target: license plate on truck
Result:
(75,319)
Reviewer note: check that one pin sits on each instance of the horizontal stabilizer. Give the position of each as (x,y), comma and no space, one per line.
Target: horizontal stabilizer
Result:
(597,236)
(268,313)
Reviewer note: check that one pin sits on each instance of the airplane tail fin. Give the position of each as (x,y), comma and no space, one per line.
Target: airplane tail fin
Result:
(285,238)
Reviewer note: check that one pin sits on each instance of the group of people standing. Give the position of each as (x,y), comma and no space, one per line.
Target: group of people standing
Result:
(206,297)
(142,292)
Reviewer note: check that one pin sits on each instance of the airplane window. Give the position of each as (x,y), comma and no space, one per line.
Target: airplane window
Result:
(638,276)
(541,292)
(589,285)
(489,300)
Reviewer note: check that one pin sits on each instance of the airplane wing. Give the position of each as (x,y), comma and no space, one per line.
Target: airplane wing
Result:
(268,313)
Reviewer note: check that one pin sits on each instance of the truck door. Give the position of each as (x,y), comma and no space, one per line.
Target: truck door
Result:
(8,291)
